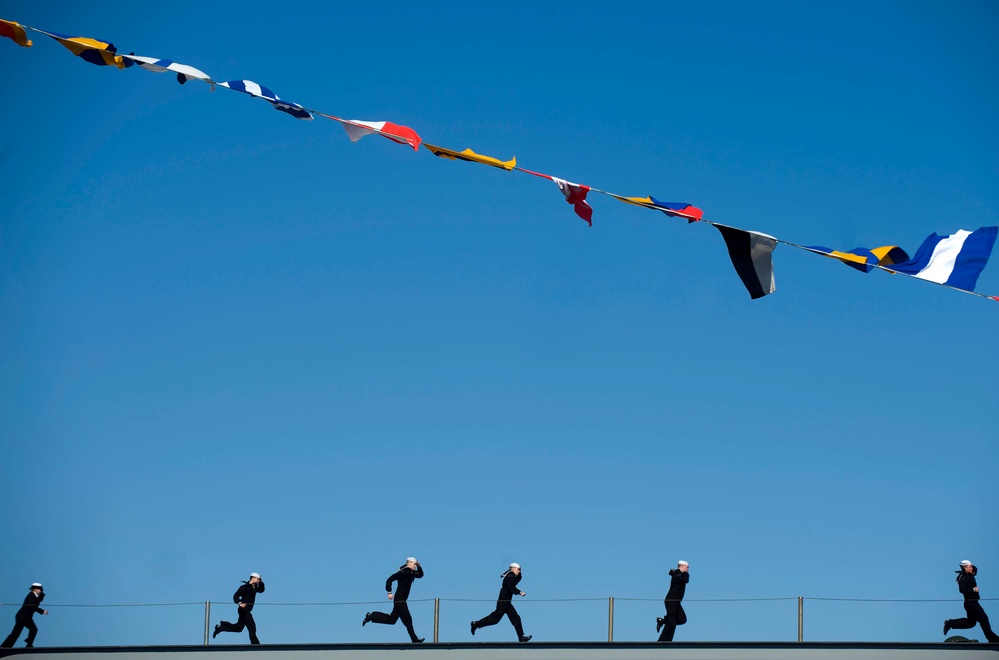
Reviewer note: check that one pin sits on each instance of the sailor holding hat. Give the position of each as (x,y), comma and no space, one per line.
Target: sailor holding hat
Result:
(504,604)
(968,587)
(244,598)
(24,617)
(403,578)
(675,616)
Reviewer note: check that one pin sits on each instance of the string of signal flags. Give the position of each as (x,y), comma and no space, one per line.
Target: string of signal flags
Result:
(954,261)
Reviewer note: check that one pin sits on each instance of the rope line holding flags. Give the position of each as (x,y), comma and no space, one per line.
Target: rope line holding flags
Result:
(954,261)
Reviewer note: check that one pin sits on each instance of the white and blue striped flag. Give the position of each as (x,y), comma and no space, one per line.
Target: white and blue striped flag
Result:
(253,89)
(183,71)
(955,261)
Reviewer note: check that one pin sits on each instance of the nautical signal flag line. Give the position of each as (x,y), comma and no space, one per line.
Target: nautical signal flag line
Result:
(953,261)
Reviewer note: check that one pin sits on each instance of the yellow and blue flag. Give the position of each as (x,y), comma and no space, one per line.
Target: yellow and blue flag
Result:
(863,259)
(95,51)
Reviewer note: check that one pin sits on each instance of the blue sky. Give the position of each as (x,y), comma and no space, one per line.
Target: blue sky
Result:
(232,341)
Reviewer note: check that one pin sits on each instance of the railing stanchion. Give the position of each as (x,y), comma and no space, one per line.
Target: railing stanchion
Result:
(208,619)
(610,619)
(801,612)
(437,618)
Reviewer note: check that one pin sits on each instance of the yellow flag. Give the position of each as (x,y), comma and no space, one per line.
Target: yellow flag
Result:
(471,157)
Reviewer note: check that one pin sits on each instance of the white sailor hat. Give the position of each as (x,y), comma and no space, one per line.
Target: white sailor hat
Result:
(514,565)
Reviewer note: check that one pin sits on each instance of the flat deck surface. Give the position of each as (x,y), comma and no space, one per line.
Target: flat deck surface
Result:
(535,651)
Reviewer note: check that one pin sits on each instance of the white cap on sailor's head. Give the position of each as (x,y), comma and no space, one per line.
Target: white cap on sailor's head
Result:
(682,562)
(514,565)
(411,559)
(965,562)
(256,575)
(36,585)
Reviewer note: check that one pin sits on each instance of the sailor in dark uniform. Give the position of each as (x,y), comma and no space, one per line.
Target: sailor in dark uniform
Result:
(675,616)
(24,617)
(244,597)
(504,604)
(403,578)
(968,587)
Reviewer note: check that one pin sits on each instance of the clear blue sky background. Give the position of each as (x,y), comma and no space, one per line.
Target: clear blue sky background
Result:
(232,341)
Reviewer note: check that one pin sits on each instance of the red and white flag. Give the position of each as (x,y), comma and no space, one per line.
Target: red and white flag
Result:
(575,194)
(356,129)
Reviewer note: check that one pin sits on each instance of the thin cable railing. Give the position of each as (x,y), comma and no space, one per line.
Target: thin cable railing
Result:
(48,605)
(531,600)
